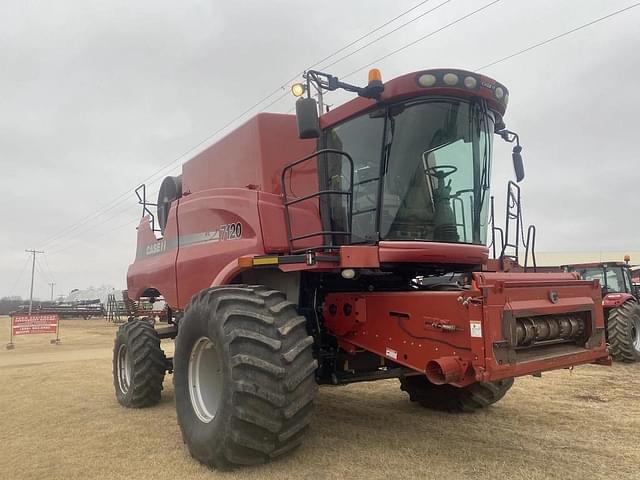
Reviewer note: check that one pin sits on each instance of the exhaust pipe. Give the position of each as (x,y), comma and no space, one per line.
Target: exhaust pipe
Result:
(444,370)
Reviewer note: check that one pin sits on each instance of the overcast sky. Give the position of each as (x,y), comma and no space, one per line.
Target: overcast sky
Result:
(96,96)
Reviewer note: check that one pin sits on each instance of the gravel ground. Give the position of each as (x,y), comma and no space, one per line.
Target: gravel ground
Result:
(60,420)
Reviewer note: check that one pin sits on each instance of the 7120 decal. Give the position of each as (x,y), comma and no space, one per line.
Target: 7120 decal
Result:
(230,231)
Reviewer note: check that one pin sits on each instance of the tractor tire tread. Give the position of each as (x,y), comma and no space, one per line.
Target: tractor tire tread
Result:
(272,374)
(148,365)
(620,327)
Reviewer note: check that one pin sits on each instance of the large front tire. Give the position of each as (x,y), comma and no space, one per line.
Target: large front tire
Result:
(623,332)
(453,399)
(139,365)
(243,376)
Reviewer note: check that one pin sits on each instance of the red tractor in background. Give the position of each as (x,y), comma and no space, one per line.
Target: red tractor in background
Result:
(347,247)
(620,304)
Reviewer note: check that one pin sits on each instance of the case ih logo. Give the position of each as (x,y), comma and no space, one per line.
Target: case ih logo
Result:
(157,247)
(225,232)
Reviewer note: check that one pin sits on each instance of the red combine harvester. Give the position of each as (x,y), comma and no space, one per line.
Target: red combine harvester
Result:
(304,250)
(620,304)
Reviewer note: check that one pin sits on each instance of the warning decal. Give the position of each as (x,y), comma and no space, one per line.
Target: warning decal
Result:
(391,353)
(476,329)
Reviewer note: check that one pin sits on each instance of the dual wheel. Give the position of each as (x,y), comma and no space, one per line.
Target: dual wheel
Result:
(244,379)
(243,369)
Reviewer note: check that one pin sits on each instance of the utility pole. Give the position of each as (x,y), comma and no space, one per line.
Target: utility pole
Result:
(33,271)
(52,284)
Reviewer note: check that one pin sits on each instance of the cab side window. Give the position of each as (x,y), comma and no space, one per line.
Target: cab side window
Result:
(362,139)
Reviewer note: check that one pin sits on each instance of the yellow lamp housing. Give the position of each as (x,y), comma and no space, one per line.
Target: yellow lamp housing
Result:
(375,86)
(375,75)
(298,89)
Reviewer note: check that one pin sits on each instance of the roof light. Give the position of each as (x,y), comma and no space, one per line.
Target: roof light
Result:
(470,82)
(298,89)
(375,75)
(450,79)
(427,80)
(499,93)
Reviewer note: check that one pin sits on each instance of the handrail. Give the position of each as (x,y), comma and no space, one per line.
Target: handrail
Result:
(142,200)
(493,241)
(531,242)
(513,202)
(464,222)
(514,212)
(320,193)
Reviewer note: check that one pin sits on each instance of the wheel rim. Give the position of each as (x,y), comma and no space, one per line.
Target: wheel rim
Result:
(124,369)
(205,380)
(635,334)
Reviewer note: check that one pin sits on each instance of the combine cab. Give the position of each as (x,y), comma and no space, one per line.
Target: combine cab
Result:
(305,250)
(620,304)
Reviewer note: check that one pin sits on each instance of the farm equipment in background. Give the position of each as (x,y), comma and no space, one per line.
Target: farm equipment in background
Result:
(121,307)
(79,309)
(620,304)
(304,250)
(635,276)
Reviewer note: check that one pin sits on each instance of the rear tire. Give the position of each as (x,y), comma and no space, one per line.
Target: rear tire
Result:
(243,376)
(453,399)
(623,332)
(139,365)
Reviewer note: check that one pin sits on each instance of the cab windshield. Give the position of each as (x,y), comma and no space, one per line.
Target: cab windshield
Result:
(421,171)
(612,280)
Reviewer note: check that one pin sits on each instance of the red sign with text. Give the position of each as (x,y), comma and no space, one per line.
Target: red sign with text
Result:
(25,324)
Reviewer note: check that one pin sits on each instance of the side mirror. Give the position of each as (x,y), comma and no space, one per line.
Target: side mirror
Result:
(518,165)
(307,116)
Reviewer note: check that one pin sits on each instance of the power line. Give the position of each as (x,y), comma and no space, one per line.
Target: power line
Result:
(69,243)
(63,240)
(46,262)
(385,35)
(84,220)
(366,35)
(119,199)
(44,276)
(126,224)
(424,37)
(74,243)
(19,277)
(556,37)
(56,244)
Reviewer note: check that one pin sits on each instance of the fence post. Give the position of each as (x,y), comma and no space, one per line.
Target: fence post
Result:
(10,345)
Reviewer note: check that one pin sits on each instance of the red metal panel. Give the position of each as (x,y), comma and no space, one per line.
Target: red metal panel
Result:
(432,252)
(404,326)
(359,256)
(155,264)
(406,86)
(274,231)
(613,300)
(252,155)
(205,249)
(459,330)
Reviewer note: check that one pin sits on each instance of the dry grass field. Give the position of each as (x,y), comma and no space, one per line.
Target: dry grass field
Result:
(60,420)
